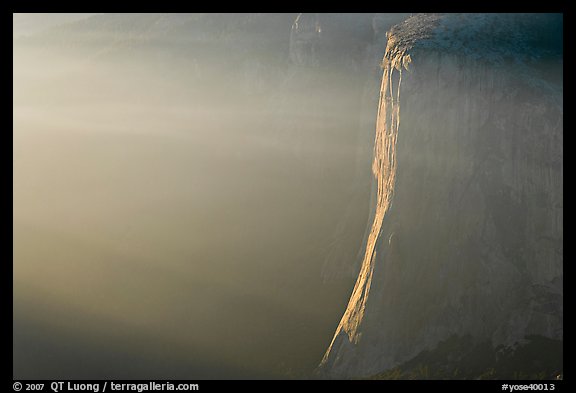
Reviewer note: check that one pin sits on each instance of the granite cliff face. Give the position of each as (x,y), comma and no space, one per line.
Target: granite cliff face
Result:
(465,245)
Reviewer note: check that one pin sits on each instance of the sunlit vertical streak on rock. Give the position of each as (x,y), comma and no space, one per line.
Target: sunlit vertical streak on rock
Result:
(384,169)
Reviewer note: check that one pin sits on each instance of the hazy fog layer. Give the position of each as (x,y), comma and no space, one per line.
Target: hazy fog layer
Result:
(172,216)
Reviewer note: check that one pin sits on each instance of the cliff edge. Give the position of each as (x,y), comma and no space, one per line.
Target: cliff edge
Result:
(465,248)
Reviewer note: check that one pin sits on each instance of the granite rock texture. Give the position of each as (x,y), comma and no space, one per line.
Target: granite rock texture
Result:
(466,234)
